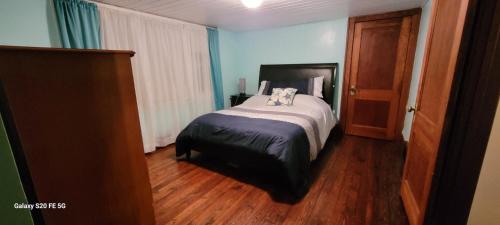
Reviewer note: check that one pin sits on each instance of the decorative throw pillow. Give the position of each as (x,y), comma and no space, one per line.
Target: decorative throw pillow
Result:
(282,96)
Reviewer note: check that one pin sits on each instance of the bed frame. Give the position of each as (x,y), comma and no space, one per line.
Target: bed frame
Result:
(250,159)
(285,72)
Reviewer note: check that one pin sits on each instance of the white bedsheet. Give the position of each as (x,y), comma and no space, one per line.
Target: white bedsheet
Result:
(307,111)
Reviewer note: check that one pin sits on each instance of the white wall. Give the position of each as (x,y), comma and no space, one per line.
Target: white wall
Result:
(485,208)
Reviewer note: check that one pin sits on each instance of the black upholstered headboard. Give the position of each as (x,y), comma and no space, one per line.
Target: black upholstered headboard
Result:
(303,71)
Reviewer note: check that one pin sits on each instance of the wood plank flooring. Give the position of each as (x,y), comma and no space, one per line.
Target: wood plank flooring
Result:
(355,181)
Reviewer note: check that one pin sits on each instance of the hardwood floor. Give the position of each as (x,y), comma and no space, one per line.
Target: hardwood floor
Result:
(356,181)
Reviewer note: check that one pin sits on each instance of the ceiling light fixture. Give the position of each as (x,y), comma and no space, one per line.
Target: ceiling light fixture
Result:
(252,3)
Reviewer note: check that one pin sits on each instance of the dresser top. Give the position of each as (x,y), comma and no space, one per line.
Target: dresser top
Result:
(64,50)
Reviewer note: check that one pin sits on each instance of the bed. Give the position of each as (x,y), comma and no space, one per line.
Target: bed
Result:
(282,139)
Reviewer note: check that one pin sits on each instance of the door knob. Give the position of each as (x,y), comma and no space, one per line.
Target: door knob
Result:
(411,109)
(352,90)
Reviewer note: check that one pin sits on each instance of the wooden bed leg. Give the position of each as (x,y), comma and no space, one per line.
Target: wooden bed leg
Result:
(188,155)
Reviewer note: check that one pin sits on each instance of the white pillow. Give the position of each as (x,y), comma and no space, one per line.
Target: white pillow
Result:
(318,87)
(262,87)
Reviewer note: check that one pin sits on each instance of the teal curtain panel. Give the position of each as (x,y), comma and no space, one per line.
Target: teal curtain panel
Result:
(79,24)
(215,68)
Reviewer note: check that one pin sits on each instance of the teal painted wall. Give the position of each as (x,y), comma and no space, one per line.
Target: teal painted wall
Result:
(23,23)
(417,66)
(228,47)
(322,42)
(28,23)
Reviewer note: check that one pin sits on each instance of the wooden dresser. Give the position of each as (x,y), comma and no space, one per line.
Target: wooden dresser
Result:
(72,121)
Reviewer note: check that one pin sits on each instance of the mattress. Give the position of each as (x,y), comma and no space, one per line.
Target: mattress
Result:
(309,112)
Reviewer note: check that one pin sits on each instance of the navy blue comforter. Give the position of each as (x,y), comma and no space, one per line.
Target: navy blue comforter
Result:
(283,141)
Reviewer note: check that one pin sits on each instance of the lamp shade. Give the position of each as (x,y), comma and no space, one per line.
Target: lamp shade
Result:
(242,85)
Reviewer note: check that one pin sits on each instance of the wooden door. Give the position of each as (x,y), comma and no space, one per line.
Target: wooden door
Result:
(438,70)
(381,58)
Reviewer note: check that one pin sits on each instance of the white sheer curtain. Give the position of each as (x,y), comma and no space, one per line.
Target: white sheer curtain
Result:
(171,70)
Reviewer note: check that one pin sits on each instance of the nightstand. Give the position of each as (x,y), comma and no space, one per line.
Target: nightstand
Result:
(238,99)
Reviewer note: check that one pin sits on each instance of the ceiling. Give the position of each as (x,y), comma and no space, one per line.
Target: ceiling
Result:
(233,15)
